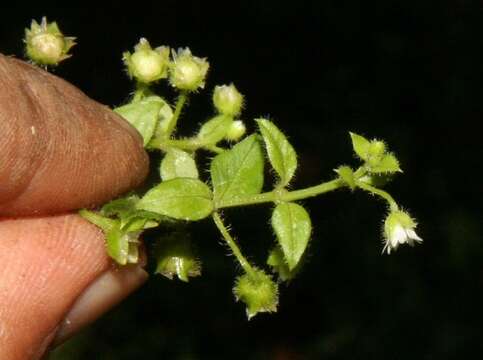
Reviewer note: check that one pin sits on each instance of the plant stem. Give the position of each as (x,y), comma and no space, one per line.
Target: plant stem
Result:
(380,193)
(183,96)
(189,144)
(282,195)
(232,244)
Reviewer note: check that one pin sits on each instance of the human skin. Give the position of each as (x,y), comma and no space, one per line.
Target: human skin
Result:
(59,151)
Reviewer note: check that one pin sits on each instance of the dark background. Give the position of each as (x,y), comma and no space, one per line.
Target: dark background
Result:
(406,72)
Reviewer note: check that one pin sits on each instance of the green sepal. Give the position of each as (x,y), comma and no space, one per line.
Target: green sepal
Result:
(175,257)
(122,246)
(176,164)
(143,115)
(346,174)
(280,152)
(387,164)
(214,130)
(239,171)
(180,198)
(360,145)
(258,291)
(293,227)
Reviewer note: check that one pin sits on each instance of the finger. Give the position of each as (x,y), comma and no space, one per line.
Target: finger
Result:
(54,278)
(60,150)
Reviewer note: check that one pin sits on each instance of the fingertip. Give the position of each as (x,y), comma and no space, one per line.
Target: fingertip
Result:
(63,150)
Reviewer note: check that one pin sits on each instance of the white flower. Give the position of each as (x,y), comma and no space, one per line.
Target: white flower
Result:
(399,229)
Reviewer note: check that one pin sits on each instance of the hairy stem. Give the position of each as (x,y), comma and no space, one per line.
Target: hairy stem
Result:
(232,244)
(282,195)
(183,96)
(381,193)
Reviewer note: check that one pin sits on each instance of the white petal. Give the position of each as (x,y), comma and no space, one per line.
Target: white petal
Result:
(398,236)
(412,235)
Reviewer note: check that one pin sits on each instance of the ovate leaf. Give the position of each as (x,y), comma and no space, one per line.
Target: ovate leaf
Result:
(178,163)
(361,146)
(239,171)
(180,198)
(281,154)
(143,115)
(293,227)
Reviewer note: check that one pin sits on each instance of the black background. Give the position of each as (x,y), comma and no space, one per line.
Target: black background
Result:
(406,72)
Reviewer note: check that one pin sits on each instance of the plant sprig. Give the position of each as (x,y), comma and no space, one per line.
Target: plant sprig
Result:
(235,178)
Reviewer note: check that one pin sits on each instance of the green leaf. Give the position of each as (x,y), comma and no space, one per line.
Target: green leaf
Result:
(239,171)
(143,115)
(347,175)
(361,146)
(388,164)
(132,219)
(281,154)
(181,198)
(176,164)
(120,207)
(214,130)
(293,227)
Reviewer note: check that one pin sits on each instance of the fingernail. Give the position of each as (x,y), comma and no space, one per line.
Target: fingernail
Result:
(106,291)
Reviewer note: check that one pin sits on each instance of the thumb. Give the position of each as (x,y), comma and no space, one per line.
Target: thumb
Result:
(59,151)
(55,278)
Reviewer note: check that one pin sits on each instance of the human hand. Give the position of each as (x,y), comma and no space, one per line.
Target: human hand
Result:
(59,151)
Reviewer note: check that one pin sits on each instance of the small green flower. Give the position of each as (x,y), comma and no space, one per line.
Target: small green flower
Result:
(399,229)
(175,257)
(188,72)
(257,291)
(146,64)
(45,44)
(228,100)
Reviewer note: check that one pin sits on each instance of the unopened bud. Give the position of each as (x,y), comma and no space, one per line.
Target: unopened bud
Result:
(45,44)
(257,291)
(147,64)
(228,100)
(188,72)
(236,130)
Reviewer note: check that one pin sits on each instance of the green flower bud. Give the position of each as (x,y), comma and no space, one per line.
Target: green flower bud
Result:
(377,148)
(236,130)
(276,260)
(228,100)
(45,44)
(188,72)
(399,229)
(375,152)
(175,256)
(146,64)
(257,291)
